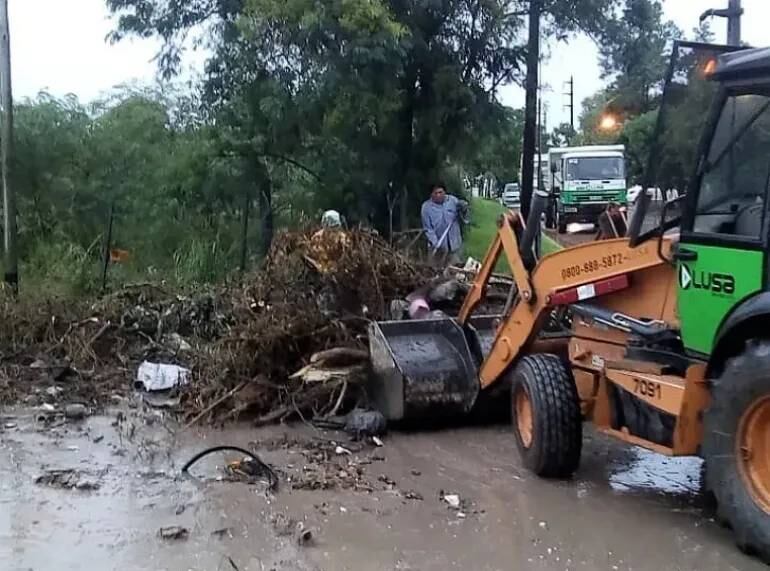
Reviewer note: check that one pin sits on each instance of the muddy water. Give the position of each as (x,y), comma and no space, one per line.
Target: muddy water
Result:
(626,509)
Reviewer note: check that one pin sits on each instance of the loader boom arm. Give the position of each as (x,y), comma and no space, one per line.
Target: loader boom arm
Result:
(582,272)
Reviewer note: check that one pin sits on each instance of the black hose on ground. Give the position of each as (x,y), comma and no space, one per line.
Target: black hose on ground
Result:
(264,468)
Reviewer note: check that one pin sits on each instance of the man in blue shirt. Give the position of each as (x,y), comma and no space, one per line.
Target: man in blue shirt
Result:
(441,215)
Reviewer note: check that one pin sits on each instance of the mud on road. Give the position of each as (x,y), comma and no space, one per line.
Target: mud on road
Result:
(368,508)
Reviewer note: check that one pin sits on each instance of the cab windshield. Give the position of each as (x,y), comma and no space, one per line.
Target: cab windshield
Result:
(675,154)
(595,168)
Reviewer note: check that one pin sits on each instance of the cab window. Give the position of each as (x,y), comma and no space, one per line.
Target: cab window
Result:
(735,176)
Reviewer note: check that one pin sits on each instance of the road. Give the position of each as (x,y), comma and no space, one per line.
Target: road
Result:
(373,509)
(568,240)
(651,220)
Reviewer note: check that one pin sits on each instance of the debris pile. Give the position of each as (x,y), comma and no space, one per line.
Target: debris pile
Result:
(310,305)
(320,464)
(88,351)
(288,340)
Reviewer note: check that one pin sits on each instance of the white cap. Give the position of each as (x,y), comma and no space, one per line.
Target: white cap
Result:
(331,219)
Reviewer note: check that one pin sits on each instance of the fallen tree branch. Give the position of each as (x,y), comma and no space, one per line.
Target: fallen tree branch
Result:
(214,404)
(272,416)
(339,356)
(313,374)
(338,404)
(99,333)
(493,278)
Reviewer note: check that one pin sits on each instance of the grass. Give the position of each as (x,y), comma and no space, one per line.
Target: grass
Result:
(484,215)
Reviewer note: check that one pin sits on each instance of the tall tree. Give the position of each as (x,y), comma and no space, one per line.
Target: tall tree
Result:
(373,96)
(633,55)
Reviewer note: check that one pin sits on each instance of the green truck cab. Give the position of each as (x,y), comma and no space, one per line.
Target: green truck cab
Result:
(583,181)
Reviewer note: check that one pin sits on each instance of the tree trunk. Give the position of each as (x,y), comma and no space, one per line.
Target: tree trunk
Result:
(406,144)
(265,208)
(245,224)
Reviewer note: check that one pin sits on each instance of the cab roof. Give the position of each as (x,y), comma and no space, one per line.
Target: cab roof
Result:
(594,155)
(743,64)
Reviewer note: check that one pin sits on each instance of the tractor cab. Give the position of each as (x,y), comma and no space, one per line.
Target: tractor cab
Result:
(711,160)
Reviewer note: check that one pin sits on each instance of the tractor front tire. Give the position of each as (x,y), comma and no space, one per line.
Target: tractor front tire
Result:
(545,409)
(736,447)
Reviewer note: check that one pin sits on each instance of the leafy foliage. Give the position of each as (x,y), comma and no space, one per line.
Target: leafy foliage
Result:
(356,105)
(633,55)
(374,97)
(166,182)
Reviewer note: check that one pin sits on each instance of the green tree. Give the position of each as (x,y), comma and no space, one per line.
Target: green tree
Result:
(495,150)
(51,162)
(594,108)
(562,136)
(381,94)
(637,136)
(633,56)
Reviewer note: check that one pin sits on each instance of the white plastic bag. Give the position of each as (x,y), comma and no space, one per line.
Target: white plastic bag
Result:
(160,376)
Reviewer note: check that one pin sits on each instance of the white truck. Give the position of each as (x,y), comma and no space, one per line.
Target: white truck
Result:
(540,171)
(583,181)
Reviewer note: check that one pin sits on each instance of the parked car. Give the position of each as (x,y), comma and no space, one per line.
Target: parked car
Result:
(511,196)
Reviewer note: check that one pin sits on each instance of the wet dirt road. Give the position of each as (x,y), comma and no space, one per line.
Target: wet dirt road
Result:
(626,509)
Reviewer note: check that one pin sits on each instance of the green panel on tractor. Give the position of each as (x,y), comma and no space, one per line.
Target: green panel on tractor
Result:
(710,286)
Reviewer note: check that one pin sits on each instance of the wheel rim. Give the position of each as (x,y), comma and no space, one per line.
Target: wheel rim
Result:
(753,452)
(524,421)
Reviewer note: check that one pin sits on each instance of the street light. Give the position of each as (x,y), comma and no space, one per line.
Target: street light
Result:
(608,122)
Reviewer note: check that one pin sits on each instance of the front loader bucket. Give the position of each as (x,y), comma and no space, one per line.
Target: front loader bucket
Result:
(421,369)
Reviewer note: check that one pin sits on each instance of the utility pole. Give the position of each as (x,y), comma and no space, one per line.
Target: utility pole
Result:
(540,129)
(571,105)
(733,14)
(734,22)
(11,256)
(530,108)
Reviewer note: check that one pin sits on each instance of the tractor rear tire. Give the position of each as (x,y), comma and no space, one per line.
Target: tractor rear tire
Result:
(736,447)
(545,409)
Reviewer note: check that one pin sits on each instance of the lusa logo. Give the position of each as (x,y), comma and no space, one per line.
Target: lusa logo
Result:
(712,281)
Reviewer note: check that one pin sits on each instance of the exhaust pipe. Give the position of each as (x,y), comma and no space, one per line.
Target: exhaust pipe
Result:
(532,231)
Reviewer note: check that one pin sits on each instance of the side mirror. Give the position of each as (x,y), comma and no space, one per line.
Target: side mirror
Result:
(554,169)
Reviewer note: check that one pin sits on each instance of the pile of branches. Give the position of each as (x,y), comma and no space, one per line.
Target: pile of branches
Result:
(88,350)
(245,342)
(316,292)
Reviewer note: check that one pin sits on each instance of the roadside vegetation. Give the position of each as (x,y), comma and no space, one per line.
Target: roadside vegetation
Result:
(301,109)
(483,228)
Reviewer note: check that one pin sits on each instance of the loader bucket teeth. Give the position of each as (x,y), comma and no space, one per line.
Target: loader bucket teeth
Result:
(421,369)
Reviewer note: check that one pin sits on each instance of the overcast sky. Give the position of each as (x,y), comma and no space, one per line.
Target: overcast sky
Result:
(60,46)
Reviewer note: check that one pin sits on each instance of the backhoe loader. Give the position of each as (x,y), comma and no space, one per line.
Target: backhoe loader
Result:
(666,341)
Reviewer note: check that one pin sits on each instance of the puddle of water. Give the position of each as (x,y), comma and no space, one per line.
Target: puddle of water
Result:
(644,470)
